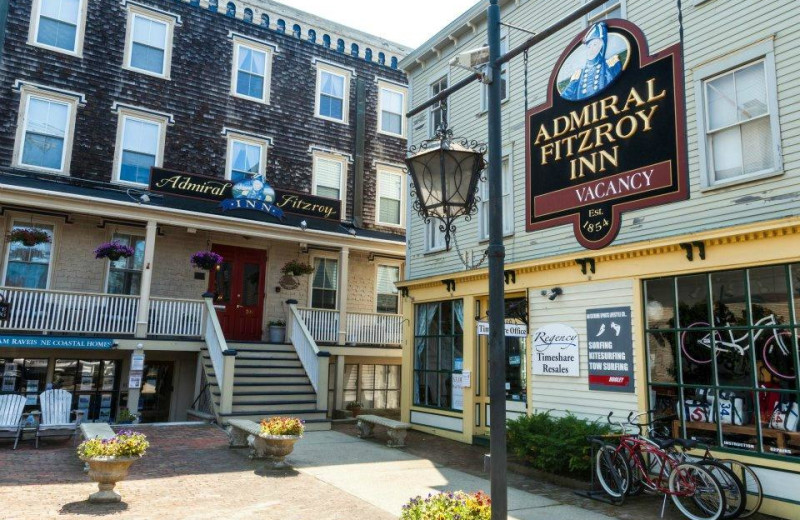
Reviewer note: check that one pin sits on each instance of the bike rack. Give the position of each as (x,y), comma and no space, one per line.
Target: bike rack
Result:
(597,493)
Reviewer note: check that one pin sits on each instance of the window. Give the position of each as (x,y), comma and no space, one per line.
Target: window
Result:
(503,78)
(438,111)
(390,198)
(94,385)
(388,275)
(508,203)
(29,267)
(251,71)
(329,177)
(434,237)
(149,42)
(125,274)
(438,348)
(380,386)
(58,25)
(246,158)
(392,107)
(721,353)
(333,93)
(740,119)
(610,9)
(44,131)
(140,146)
(325,283)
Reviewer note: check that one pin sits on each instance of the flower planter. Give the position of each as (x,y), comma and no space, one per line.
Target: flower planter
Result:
(274,448)
(356,411)
(107,471)
(277,334)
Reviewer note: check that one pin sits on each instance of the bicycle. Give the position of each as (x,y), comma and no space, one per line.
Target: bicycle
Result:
(775,352)
(693,489)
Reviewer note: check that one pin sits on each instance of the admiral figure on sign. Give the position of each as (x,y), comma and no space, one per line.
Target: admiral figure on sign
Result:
(254,188)
(598,72)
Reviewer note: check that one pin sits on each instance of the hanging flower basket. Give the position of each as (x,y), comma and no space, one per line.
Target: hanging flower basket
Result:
(207,260)
(296,268)
(28,237)
(113,250)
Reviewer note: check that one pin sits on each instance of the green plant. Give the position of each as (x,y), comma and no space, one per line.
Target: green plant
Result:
(555,445)
(296,268)
(29,237)
(277,323)
(282,426)
(126,443)
(446,506)
(126,415)
(354,405)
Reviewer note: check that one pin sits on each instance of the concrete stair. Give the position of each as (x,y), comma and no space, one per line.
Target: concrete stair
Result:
(269,380)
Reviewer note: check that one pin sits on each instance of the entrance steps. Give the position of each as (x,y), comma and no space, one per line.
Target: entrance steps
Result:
(269,380)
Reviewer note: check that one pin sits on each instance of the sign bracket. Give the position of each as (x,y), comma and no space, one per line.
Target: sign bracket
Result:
(584,262)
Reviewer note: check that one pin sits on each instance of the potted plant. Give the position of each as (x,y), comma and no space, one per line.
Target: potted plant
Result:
(291,270)
(113,250)
(207,260)
(277,331)
(125,416)
(276,440)
(28,237)
(458,504)
(109,461)
(355,407)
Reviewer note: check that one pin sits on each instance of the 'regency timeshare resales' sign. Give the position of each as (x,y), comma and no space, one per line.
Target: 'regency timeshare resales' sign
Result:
(610,136)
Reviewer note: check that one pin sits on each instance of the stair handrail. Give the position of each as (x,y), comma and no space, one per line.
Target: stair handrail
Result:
(223,359)
(314,361)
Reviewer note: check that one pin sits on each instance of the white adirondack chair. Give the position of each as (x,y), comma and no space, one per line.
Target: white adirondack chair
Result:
(11,406)
(56,405)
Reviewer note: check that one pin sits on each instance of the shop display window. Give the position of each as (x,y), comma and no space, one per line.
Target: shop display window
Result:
(94,385)
(438,352)
(722,356)
(25,377)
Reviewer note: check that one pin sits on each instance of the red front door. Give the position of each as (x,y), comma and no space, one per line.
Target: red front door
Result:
(238,286)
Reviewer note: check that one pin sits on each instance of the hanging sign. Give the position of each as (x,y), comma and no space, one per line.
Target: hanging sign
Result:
(555,351)
(610,346)
(610,137)
(251,194)
(513,330)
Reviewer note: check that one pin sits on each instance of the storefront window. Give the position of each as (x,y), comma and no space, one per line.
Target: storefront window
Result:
(725,371)
(23,376)
(94,385)
(438,352)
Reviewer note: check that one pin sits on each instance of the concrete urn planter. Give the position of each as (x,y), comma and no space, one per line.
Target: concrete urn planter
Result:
(107,471)
(274,448)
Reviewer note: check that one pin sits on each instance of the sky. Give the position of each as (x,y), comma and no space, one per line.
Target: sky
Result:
(411,23)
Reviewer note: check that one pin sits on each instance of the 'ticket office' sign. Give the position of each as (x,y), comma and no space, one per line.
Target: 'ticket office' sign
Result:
(610,136)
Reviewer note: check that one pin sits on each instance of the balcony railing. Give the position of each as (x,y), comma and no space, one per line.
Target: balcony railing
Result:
(36,310)
(362,328)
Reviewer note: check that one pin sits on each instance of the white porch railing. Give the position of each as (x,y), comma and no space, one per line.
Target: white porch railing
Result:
(170,317)
(374,329)
(314,362)
(62,311)
(323,324)
(223,359)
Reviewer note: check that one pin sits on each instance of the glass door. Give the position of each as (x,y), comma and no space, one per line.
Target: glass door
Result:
(154,400)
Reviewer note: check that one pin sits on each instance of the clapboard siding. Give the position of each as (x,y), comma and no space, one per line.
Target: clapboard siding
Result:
(572,394)
(712,30)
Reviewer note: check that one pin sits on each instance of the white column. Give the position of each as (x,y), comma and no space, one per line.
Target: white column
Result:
(147,278)
(341,293)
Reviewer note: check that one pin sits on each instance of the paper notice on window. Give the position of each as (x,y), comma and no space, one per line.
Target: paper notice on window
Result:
(134,381)
(457,392)
(137,362)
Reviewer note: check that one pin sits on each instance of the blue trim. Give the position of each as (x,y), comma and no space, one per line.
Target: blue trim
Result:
(56,342)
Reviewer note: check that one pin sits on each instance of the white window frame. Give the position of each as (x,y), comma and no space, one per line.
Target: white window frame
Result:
(504,69)
(312,260)
(134,232)
(317,155)
(444,76)
(397,89)
(26,93)
(237,137)
(399,267)
(397,171)
(431,232)
(508,216)
(730,62)
(148,117)
(80,31)
(156,16)
(238,43)
(602,14)
(346,75)
(23,220)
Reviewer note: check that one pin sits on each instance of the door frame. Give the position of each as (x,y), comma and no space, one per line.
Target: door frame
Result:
(231,251)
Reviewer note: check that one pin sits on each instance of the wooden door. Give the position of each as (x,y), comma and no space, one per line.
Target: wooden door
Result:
(238,287)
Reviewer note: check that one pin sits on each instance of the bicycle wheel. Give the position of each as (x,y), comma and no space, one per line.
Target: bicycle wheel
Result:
(691,485)
(751,483)
(636,471)
(696,342)
(612,471)
(777,361)
(732,487)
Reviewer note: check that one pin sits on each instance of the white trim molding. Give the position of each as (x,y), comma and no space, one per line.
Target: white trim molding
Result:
(80,29)
(154,15)
(394,88)
(254,45)
(346,75)
(145,116)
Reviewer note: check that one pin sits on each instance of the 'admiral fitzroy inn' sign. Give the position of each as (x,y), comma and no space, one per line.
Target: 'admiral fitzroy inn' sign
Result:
(610,136)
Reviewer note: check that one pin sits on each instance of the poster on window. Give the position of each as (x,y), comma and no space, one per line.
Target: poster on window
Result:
(610,349)
(457,384)
(84,401)
(86,383)
(9,383)
(555,351)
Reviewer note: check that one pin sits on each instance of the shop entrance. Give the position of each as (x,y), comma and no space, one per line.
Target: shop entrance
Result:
(156,392)
(238,288)
(515,361)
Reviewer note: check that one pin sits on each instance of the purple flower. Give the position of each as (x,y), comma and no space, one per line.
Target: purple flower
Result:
(206,260)
(113,250)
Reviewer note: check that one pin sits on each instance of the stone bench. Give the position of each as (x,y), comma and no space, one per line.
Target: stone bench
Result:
(243,434)
(100,431)
(397,430)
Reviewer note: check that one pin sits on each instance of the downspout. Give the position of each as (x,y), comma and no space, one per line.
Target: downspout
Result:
(358,181)
(3,20)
